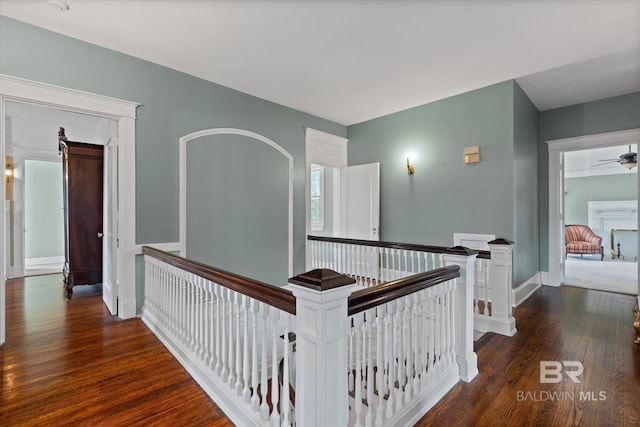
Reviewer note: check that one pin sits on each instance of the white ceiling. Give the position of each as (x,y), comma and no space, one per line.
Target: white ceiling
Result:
(597,161)
(354,60)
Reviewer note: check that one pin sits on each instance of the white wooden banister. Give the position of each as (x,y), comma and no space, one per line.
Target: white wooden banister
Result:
(322,330)
(500,277)
(375,346)
(386,261)
(464,291)
(226,330)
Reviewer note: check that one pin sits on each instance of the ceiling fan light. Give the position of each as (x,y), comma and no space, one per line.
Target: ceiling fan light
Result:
(629,165)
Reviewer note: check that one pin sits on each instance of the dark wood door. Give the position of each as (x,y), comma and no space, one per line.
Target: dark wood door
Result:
(83,169)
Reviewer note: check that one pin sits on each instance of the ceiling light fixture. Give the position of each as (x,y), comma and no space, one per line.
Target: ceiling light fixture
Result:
(60,5)
(630,164)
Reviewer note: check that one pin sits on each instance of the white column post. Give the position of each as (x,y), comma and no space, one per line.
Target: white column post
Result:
(321,346)
(463,297)
(500,280)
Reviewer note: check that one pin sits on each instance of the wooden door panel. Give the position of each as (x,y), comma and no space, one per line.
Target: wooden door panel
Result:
(84,171)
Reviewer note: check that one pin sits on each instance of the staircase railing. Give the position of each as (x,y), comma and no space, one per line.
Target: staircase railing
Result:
(230,332)
(373,262)
(321,352)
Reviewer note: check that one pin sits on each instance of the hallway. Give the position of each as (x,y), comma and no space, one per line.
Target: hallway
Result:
(71,363)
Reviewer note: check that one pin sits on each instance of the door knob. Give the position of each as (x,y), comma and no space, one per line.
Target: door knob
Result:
(100,235)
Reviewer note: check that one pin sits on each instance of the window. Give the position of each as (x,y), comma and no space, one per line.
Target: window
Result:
(317,198)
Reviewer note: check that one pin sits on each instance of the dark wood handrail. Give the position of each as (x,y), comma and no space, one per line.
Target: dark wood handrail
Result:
(269,294)
(374,296)
(456,250)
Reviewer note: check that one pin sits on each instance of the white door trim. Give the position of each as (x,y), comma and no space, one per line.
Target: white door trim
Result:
(183,182)
(557,148)
(28,91)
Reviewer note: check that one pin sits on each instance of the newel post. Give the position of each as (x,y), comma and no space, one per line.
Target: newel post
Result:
(500,280)
(463,309)
(322,324)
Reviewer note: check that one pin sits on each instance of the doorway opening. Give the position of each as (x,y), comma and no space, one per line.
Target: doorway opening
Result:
(557,201)
(36,226)
(123,113)
(43,218)
(601,194)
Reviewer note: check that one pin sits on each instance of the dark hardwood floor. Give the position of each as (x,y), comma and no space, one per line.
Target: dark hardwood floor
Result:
(555,324)
(71,363)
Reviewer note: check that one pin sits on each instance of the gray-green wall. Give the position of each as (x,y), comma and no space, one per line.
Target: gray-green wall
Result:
(496,196)
(606,115)
(580,191)
(444,195)
(525,187)
(43,215)
(173,104)
(252,220)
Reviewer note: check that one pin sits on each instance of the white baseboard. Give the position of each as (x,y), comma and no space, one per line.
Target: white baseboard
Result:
(526,289)
(128,307)
(15,271)
(44,262)
(544,277)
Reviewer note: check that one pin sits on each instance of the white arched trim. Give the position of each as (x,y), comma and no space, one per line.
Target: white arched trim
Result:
(183,181)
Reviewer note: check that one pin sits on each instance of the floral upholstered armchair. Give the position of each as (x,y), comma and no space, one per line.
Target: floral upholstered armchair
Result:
(580,239)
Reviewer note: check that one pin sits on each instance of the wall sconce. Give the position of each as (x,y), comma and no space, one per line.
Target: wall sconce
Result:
(410,168)
(8,172)
(472,154)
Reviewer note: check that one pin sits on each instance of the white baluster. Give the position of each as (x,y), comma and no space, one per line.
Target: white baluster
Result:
(255,401)
(431,303)
(226,318)
(380,355)
(351,364)
(370,361)
(406,271)
(286,402)
(452,353)
(219,314)
(238,346)
(390,358)
(197,314)
(358,320)
(401,351)
(274,314)
(415,337)
(264,407)
(233,317)
(246,394)
(393,272)
(409,345)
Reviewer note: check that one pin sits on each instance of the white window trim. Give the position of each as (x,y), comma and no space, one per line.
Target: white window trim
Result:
(319,226)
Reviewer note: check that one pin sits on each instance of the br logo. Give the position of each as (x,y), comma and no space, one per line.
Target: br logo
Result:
(552,372)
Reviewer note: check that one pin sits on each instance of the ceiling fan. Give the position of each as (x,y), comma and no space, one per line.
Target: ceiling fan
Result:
(627,160)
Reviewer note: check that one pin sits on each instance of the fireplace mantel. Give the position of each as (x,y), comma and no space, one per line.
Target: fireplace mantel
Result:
(607,215)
